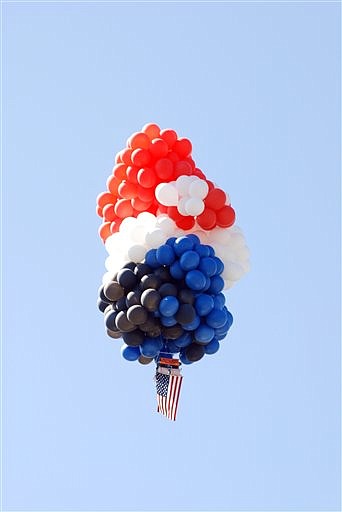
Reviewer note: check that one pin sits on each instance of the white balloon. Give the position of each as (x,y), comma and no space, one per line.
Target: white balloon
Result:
(238,240)
(234,272)
(136,253)
(166,194)
(146,219)
(227,284)
(155,238)
(113,243)
(220,235)
(182,184)
(166,224)
(107,277)
(181,206)
(198,188)
(127,224)
(136,236)
(246,265)
(194,206)
(242,253)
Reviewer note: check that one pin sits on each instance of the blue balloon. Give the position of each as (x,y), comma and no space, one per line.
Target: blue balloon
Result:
(204,303)
(165,255)
(151,347)
(204,333)
(216,318)
(211,251)
(151,258)
(183,358)
(170,241)
(194,238)
(220,265)
(176,270)
(220,336)
(168,306)
(219,301)
(216,285)
(227,325)
(192,325)
(212,347)
(208,266)
(189,260)
(207,284)
(130,353)
(182,244)
(202,250)
(195,280)
(184,340)
(172,347)
(168,321)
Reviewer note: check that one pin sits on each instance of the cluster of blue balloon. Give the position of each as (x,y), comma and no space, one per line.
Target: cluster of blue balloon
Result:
(171,303)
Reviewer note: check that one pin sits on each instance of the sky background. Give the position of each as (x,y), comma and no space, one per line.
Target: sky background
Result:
(256,88)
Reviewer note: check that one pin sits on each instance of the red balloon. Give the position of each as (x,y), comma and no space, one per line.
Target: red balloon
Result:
(123,208)
(207,219)
(159,148)
(215,199)
(109,213)
(132,174)
(119,171)
(141,157)
(152,130)
(197,172)
(126,155)
(210,184)
(139,205)
(112,185)
(104,230)
(173,156)
(105,198)
(162,208)
(138,140)
(172,212)
(127,190)
(225,217)
(114,227)
(190,161)
(164,168)
(169,136)
(183,147)
(185,222)
(146,177)
(182,168)
(145,194)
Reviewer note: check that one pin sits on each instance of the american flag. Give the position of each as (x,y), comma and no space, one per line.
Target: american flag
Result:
(168,391)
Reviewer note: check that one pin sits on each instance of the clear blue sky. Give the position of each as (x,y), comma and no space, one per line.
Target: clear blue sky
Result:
(256,87)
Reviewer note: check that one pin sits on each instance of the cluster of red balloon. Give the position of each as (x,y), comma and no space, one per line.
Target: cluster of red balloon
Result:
(171,302)
(151,157)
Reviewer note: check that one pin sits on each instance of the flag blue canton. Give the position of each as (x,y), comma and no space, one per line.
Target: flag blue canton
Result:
(162,384)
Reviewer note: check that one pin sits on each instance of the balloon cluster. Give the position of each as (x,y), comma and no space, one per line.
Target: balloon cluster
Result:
(175,228)
(173,302)
(155,173)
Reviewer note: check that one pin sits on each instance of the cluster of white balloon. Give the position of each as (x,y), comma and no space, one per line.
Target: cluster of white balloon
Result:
(187,193)
(146,231)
